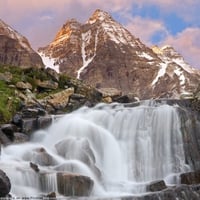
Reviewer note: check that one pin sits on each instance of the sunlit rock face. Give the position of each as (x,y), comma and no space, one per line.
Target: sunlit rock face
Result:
(16,50)
(104,54)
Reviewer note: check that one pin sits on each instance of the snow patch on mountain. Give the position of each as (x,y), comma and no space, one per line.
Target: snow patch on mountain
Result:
(86,37)
(161,72)
(180,74)
(145,55)
(49,62)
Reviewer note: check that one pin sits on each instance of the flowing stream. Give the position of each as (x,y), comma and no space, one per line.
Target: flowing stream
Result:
(121,148)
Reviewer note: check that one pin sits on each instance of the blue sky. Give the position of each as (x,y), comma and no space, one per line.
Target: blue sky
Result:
(155,22)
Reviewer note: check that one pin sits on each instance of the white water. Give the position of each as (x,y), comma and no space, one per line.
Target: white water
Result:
(120,148)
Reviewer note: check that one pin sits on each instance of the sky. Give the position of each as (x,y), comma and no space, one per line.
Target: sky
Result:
(154,22)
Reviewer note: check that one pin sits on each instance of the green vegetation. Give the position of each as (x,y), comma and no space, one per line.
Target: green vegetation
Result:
(9,103)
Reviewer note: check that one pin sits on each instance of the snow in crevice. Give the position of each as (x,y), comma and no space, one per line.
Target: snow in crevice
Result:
(49,62)
(161,72)
(145,55)
(86,37)
(180,74)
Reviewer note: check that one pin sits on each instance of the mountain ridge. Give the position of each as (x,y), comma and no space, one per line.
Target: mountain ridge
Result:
(16,50)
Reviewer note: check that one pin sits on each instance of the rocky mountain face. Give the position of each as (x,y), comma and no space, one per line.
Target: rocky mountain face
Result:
(104,54)
(16,50)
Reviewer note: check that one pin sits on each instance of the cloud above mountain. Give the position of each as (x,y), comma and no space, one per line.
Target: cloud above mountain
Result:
(153,21)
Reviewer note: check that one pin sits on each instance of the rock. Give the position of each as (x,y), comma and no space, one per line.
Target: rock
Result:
(24,86)
(107,100)
(44,121)
(20,138)
(74,184)
(34,167)
(110,92)
(4,139)
(42,157)
(29,125)
(5,185)
(7,77)
(17,119)
(48,84)
(122,99)
(190,178)
(51,195)
(8,130)
(59,100)
(156,186)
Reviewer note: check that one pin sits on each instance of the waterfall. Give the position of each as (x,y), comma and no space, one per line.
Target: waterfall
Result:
(121,148)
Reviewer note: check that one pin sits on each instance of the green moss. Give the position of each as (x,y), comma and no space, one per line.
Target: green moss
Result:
(9,103)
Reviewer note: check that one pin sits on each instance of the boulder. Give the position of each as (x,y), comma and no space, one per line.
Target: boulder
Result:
(34,167)
(24,86)
(20,138)
(190,178)
(48,84)
(5,185)
(74,184)
(42,157)
(4,139)
(8,130)
(156,186)
(110,92)
(7,77)
(29,125)
(60,99)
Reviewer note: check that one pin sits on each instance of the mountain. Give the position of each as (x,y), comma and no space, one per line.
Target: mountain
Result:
(104,54)
(16,50)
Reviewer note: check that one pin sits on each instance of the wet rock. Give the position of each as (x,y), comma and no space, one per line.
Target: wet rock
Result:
(4,139)
(20,138)
(74,184)
(122,99)
(51,195)
(44,122)
(34,167)
(29,125)
(17,119)
(8,130)
(190,178)
(156,186)
(42,157)
(5,185)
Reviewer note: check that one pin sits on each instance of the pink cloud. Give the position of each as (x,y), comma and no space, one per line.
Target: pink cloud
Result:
(187,43)
(146,28)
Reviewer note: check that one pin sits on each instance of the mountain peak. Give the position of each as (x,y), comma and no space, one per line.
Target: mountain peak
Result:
(99,15)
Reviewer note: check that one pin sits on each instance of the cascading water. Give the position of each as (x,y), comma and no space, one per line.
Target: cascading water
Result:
(121,148)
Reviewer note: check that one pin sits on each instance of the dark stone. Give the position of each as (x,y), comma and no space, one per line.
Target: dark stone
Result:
(44,122)
(5,185)
(156,186)
(122,99)
(17,119)
(51,195)
(20,138)
(4,139)
(8,130)
(34,167)
(74,185)
(190,178)
(29,125)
